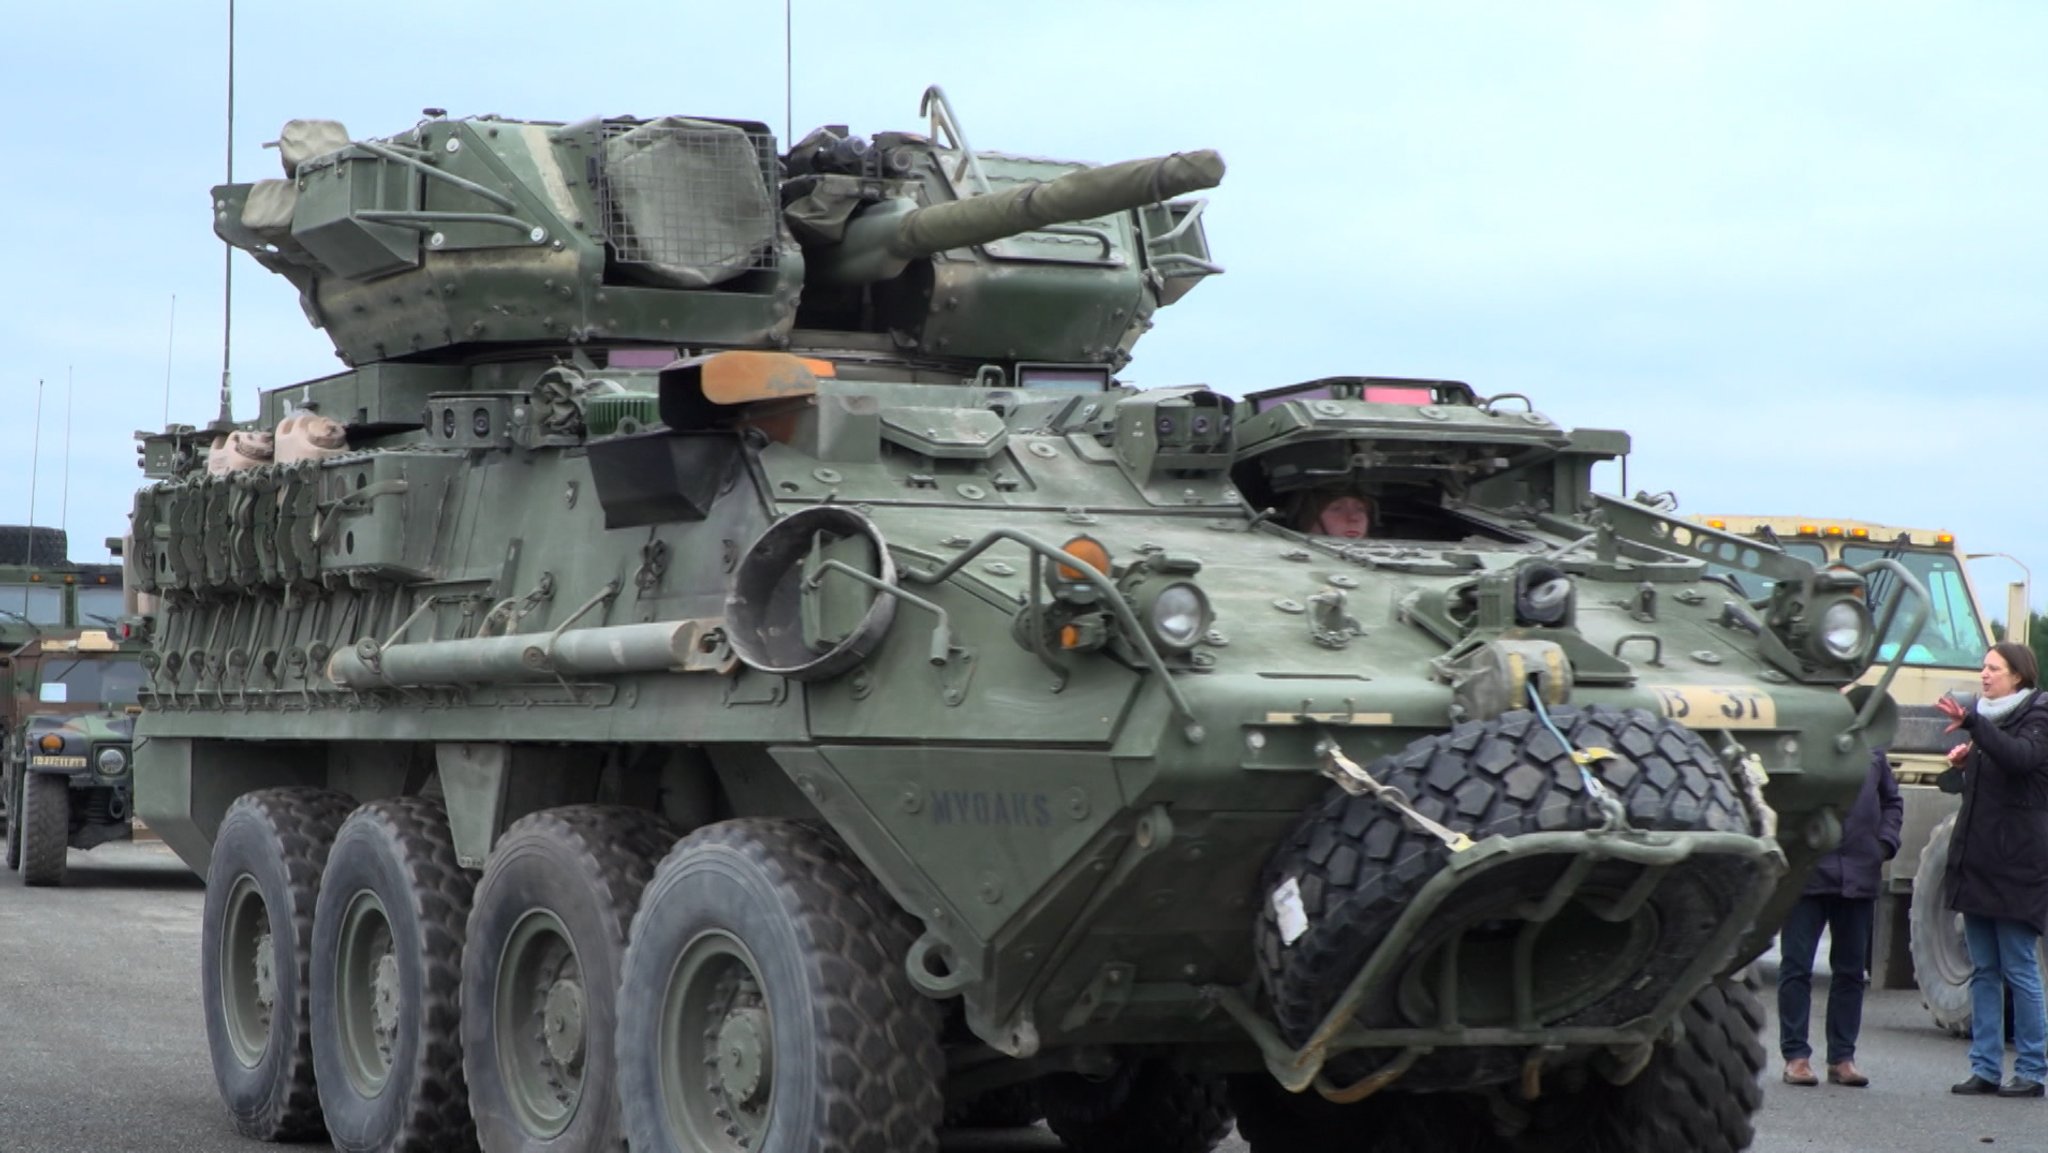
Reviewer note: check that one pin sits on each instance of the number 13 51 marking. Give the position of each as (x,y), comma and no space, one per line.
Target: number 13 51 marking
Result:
(1717,707)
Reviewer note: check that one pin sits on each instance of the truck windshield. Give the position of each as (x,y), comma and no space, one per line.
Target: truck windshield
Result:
(1754,586)
(1954,636)
(96,681)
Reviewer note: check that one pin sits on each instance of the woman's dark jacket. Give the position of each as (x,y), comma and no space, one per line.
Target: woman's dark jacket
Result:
(1870,837)
(1998,859)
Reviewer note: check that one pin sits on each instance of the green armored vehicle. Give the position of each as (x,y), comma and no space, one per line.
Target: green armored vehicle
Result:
(727,666)
(64,764)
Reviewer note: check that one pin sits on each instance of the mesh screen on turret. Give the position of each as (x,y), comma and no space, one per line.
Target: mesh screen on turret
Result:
(688,202)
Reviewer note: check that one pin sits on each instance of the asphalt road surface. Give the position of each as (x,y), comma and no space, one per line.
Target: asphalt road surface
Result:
(102,1049)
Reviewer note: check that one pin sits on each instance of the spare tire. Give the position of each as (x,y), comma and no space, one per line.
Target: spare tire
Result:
(1356,865)
(22,545)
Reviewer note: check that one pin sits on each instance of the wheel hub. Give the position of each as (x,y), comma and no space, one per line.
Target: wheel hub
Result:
(562,1023)
(384,1003)
(743,1055)
(266,978)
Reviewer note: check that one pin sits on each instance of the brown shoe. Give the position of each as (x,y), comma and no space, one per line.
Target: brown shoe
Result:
(1846,1073)
(1799,1071)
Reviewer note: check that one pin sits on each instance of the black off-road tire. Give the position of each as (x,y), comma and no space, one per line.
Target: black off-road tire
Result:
(400,852)
(856,1056)
(1941,959)
(1358,864)
(1151,1107)
(1010,1107)
(278,839)
(1272,1120)
(45,828)
(10,783)
(584,866)
(1699,1095)
(37,546)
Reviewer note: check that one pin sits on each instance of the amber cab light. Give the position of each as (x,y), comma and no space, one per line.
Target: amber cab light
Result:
(1087,551)
(51,743)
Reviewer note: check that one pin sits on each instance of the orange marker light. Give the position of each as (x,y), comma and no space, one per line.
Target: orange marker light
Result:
(1944,538)
(51,743)
(1809,530)
(1070,637)
(1086,550)
(1860,533)
(1717,522)
(1831,530)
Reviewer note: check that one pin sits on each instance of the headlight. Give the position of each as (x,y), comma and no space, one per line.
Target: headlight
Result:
(1844,631)
(113,762)
(1177,616)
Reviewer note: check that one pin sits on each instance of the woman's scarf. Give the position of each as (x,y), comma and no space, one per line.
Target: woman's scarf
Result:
(1996,709)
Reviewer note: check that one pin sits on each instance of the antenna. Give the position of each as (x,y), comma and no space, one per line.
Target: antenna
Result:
(34,468)
(788,84)
(227,280)
(170,346)
(64,502)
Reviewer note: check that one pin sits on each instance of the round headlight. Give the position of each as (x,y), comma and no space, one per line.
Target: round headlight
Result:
(1844,630)
(1178,616)
(113,762)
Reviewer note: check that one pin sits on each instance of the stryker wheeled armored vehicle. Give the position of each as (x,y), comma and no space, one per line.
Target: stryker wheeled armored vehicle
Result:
(71,700)
(727,666)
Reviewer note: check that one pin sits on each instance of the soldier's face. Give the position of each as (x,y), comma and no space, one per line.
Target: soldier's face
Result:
(1345,516)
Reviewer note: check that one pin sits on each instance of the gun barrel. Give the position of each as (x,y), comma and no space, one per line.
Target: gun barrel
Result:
(883,240)
(1082,195)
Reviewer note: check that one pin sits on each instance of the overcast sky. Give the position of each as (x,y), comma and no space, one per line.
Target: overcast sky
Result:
(1795,249)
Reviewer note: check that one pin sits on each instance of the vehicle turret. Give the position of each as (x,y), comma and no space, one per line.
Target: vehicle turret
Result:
(461,238)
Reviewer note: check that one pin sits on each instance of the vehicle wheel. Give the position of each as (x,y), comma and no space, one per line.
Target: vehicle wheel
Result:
(1941,958)
(765,1005)
(540,975)
(256,936)
(387,982)
(1699,1095)
(45,828)
(1272,1120)
(1357,864)
(1149,1107)
(11,785)
(1010,1107)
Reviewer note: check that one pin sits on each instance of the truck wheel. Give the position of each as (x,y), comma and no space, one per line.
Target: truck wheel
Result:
(1356,864)
(255,934)
(1941,959)
(387,982)
(11,785)
(1699,1095)
(1272,1120)
(540,975)
(45,828)
(1010,1107)
(1149,1107)
(765,1006)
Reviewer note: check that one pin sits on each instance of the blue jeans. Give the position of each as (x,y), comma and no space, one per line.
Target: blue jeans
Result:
(1848,921)
(2002,952)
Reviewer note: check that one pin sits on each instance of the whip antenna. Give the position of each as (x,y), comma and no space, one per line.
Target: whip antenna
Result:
(227,280)
(170,347)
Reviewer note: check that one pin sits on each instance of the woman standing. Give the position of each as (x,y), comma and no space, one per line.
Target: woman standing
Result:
(1998,866)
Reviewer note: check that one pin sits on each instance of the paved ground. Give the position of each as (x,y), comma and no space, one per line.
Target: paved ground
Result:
(102,1049)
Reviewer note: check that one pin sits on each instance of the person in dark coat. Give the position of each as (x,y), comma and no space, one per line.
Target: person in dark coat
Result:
(1840,896)
(1998,866)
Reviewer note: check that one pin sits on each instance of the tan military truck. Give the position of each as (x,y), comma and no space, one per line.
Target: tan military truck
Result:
(1916,944)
